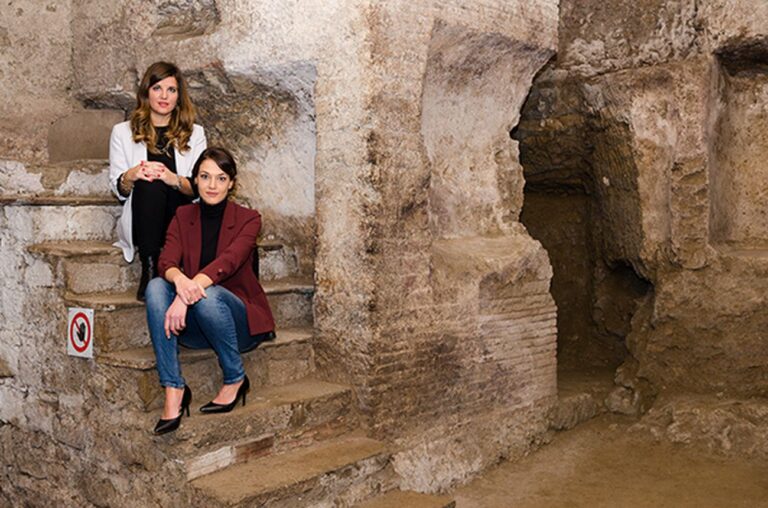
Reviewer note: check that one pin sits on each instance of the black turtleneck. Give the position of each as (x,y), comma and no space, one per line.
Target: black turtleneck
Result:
(210,222)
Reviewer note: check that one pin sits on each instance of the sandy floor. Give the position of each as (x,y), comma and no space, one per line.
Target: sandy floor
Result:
(600,464)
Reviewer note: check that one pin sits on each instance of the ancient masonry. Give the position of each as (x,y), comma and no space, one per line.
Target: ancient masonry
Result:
(416,340)
(644,145)
(467,204)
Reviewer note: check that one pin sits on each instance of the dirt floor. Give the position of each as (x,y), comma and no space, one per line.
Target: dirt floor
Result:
(601,463)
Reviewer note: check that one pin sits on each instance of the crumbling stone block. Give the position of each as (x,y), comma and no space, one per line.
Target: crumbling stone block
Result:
(82,135)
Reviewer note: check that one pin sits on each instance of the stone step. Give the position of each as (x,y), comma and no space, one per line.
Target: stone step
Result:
(274,419)
(54,218)
(77,248)
(338,472)
(89,266)
(120,322)
(131,379)
(110,300)
(50,199)
(408,499)
(581,396)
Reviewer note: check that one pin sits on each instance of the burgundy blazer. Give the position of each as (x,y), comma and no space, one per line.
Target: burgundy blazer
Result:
(232,267)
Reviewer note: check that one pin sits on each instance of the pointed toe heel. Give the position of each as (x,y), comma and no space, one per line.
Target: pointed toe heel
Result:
(213,407)
(166,426)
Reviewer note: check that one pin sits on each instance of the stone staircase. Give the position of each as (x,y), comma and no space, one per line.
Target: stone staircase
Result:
(295,443)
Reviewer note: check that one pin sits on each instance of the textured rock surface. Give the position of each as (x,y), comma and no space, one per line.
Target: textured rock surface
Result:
(375,138)
(375,132)
(719,424)
(581,396)
(409,338)
(82,135)
(35,68)
(656,110)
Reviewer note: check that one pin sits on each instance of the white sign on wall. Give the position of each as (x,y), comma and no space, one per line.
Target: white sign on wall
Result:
(80,332)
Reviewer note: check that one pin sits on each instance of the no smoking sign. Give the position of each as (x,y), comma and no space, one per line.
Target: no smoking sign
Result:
(80,332)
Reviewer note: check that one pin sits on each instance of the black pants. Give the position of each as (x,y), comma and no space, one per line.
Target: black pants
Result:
(154,205)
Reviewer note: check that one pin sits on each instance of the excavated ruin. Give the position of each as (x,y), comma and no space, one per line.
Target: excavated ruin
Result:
(484,222)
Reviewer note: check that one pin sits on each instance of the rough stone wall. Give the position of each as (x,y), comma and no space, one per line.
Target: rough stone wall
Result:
(667,97)
(54,423)
(441,189)
(252,70)
(347,120)
(253,78)
(36,71)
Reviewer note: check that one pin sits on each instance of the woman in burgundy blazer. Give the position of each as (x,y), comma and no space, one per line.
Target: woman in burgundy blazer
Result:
(208,295)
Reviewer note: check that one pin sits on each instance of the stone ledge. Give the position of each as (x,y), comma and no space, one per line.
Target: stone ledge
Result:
(127,299)
(103,301)
(275,417)
(143,358)
(303,285)
(581,396)
(293,473)
(408,499)
(53,200)
(756,251)
(74,248)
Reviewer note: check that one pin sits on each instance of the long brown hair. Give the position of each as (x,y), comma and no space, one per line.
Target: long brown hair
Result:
(182,116)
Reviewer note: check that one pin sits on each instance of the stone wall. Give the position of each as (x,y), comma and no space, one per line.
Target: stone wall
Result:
(659,104)
(374,138)
(440,223)
(35,48)
(252,70)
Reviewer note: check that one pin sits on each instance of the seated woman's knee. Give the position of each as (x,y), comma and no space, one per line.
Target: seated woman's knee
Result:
(214,297)
(157,288)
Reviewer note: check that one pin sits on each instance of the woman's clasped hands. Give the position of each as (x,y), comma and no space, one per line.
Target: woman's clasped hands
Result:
(188,292)
(151,171)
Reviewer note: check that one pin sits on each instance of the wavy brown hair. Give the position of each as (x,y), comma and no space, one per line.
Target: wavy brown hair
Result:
(182,116)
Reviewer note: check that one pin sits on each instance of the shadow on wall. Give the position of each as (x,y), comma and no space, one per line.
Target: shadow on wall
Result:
(5,370)
(737,206)
(582,223)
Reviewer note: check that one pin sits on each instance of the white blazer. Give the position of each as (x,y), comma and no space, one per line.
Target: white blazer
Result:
(124,154)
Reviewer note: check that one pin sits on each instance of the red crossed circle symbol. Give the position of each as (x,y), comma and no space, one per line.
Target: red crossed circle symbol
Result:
(72,332)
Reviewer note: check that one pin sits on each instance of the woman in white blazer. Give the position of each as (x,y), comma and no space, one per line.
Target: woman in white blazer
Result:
(151,157)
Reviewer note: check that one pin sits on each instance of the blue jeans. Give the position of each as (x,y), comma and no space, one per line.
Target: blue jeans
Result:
(217,322)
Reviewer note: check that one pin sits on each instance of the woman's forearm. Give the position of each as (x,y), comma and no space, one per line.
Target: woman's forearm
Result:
(185,186)
(172,274)
(126,181)
(203,280)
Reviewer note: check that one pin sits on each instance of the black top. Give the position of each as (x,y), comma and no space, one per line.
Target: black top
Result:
(166,154)
(210,222)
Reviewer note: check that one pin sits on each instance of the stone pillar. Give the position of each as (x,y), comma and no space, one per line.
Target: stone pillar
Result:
(432,299)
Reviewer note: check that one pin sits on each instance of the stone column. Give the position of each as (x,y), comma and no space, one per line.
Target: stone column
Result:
(432,299)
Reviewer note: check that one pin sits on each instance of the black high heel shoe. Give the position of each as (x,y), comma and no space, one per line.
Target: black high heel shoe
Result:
(165,426)
(213,407)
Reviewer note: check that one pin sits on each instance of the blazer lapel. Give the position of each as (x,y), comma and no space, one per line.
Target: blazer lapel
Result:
(181,165)
(227,228)
(195,240)
(139,153)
